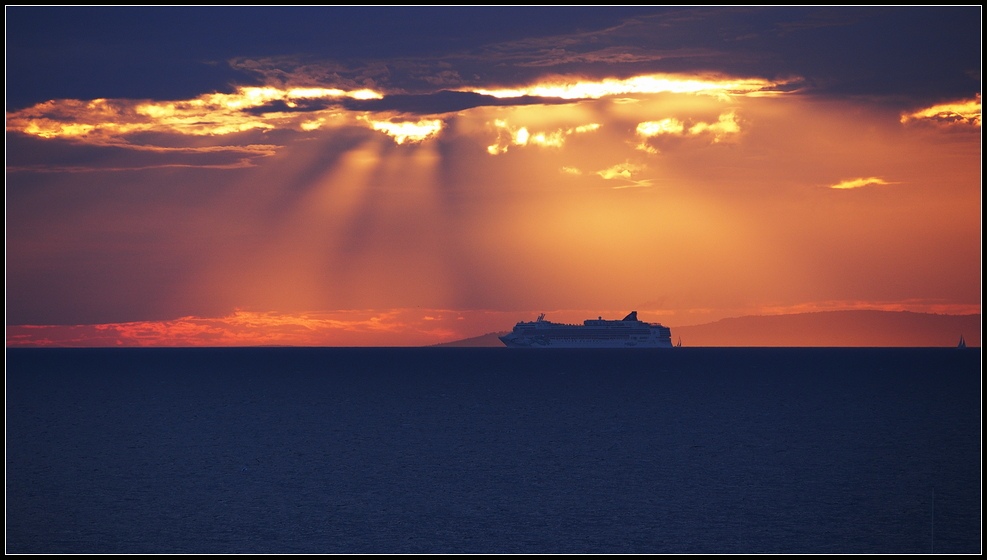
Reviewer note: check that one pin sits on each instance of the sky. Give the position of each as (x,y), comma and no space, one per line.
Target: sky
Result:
(381,176)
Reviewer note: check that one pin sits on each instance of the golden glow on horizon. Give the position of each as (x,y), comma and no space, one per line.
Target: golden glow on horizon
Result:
(857,183)
(393,327)
(967,111)
(402,132)
(578,88)
(241,328)
(520,136)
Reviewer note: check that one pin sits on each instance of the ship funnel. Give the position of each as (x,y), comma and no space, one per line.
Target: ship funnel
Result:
(632,316)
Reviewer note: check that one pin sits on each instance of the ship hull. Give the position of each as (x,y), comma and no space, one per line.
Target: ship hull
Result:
(584,343)
(599,333)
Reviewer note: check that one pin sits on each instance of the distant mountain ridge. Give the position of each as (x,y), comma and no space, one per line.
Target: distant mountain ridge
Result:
(836,328)
(822,328)
(488,340)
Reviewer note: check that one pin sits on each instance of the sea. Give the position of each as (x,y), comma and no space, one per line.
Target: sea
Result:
(493,450)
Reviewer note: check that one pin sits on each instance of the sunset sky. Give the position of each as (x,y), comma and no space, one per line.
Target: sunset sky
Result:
(409,176)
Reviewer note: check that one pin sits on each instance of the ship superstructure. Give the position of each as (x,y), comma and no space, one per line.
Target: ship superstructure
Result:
(629,332)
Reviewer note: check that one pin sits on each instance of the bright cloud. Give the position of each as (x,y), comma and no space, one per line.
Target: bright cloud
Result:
(664,126)
(649,129)
(857,183)
(577,88)
(508,135)
(620,171)
(721,130)
(413,132)
(967,111)
(103,121)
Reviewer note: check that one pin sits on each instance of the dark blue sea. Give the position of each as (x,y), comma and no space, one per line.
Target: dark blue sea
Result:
(491,450)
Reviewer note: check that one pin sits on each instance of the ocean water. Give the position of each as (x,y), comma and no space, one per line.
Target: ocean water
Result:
(441,450)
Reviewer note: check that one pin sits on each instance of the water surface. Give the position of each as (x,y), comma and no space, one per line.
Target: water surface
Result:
(282,450)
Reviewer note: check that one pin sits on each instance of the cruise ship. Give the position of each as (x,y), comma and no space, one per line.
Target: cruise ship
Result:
(629,332)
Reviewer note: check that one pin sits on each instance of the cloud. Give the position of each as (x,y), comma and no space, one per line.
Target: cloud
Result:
(413,132)
(607,55)
(443,102)
(638,41)
(861,182)
(721,130)
(963,112)
(651,129)
(60,155)
(832,17)
(508,135)
(294,103)
(116,122)
(241,328)
(392,327)
(664,126)
(574,87)
(725,128)
(287,72)
(620,171)
(107,121)
(635,184)
(180,130)
(243,162)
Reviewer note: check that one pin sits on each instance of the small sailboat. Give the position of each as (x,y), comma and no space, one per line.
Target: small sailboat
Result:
(962,343)
(679,343)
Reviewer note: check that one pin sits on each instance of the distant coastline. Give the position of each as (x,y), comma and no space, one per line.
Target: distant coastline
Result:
(860,328)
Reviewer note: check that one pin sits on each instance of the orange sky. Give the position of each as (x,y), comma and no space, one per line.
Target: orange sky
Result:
(238,218)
